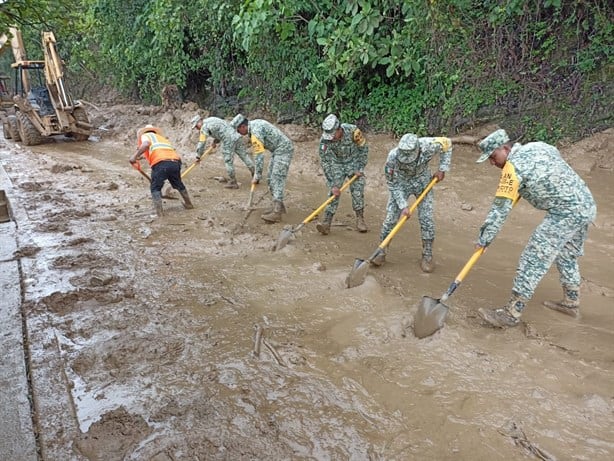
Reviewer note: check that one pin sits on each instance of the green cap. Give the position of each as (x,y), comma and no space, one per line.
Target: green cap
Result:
(491,142)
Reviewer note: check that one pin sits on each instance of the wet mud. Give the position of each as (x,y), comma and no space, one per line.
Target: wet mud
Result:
(187,337)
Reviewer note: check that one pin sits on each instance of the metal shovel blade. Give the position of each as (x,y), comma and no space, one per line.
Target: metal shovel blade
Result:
(283,239)
(358,274)
(430,317)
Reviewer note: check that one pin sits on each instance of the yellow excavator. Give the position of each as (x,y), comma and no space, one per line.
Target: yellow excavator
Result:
(41,105)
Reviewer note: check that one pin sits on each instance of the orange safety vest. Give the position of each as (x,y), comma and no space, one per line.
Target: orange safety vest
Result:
(159,149)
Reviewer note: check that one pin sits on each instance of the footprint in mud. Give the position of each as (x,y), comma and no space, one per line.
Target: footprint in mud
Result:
(32,186)
(26,251)
(52,227)
(83,260)
(63,168)
(116,434)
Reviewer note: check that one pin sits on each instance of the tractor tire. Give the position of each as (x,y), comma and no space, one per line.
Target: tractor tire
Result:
(5,130)
(11,120)
(81,116)
(30,136)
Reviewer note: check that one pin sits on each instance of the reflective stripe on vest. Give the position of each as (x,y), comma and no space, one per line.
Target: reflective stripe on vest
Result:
(159,149)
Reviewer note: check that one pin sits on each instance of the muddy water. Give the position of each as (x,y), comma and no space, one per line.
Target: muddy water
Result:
(145,328)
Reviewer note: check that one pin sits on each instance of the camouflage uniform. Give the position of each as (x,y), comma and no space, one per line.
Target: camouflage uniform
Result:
(411,178)
(537,172)
(266,136)
(232,143)
(340,159)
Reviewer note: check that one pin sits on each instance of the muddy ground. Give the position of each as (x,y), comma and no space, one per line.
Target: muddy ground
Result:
(142,331)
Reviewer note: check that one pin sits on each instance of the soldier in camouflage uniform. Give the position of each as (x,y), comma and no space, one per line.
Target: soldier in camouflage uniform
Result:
(221,132)
(407,173)
(343,153)
(266,136)
(537,172)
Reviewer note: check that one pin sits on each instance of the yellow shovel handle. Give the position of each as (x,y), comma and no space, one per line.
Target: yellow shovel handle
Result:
(191,167)
(329,200)
(469,264)
(475,256)
(413,207)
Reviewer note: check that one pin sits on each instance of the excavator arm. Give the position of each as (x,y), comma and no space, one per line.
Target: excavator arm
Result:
(54,74)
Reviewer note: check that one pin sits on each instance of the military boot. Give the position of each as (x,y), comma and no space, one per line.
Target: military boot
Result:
(427,264)
(361,226)
(324,226)
(187,203)
(506,316)
(271,208)
(570,304)
(275,215)
(232,184)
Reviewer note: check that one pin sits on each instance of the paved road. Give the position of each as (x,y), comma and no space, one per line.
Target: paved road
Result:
(17,440)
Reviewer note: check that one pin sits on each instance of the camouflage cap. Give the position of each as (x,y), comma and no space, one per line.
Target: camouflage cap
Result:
(408,142)
(329,126)
(491,142)
(195,120)
(408,149)
(238,121)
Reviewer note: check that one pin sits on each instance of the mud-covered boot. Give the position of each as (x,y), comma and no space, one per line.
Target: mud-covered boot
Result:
(324,226)
(426,264)
(271,208)
(570,304)
(158,208)
(231,184)
(361,226)
(506,316)
(157,203)
(187,203)
(275,215)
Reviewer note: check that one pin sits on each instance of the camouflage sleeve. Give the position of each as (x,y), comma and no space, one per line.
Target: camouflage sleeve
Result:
(392,181)
(200,148)
(497,215)
(445,158)
(362,150)
(327,162)
(202,140)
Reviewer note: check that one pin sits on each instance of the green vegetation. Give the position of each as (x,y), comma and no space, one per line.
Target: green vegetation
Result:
(542,69)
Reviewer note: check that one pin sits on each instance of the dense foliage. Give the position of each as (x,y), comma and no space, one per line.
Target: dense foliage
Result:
(427,66)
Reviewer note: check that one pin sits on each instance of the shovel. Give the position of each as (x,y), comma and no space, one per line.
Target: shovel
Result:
(137,167)
(167,191)
(286,234)
(432,312)
(250,200)
(358,274)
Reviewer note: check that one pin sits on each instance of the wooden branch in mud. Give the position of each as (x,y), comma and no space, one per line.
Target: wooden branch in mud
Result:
(257,340)
(519,437)
(90,104)
(471,140)
(274,352)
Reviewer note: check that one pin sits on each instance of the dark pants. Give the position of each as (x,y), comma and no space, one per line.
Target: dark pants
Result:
(161,171)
